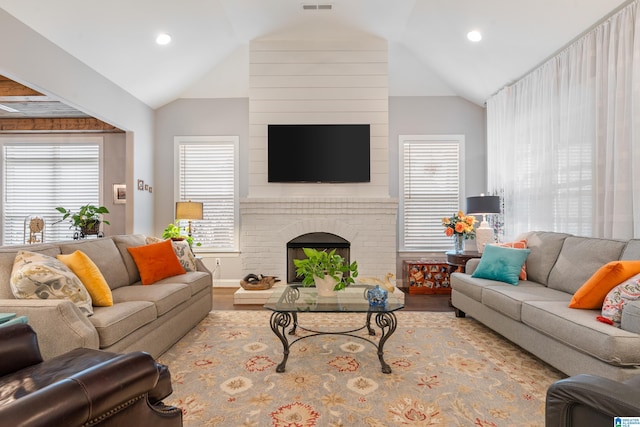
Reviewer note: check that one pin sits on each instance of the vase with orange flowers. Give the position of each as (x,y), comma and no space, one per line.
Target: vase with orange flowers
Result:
(460,227)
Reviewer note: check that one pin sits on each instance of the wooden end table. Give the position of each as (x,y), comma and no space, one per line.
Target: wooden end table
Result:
(459,260)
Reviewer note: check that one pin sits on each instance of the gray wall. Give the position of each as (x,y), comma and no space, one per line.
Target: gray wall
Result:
(38,63)
(199,117)
(194,117)
(115,155)
(407,116)
(440,115)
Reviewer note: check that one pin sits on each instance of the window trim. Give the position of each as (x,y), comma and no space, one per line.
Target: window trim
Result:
(206,140)
(402,140)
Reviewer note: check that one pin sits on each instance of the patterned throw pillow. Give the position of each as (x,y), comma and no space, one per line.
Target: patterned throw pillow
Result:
(150,240)
(182,250)
(617,297)
(38,276)
(184,254)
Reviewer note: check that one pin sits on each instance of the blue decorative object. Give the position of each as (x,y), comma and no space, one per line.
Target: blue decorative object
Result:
(377,297)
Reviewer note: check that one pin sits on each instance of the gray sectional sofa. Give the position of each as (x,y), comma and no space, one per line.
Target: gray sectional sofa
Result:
(535,313)
(148,318)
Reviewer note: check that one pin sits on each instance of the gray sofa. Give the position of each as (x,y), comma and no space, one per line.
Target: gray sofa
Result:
(147,318)
(535,314)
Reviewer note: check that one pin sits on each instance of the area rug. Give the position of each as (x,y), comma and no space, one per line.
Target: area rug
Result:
(446,372)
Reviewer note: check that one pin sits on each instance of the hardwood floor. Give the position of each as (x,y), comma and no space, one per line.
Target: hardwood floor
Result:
(223,300)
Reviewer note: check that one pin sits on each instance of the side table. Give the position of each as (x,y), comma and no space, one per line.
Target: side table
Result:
(459,260)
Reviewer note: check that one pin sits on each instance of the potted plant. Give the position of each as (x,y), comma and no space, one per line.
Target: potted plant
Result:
(174,232)
(325,268)
(87,219)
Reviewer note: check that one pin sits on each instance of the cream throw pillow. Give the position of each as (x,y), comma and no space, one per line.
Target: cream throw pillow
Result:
(38,276)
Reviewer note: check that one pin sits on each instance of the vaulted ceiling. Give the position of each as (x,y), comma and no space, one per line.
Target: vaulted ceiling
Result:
(429,54)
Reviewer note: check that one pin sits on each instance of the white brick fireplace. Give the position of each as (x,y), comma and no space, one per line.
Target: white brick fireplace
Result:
(269,224)
(333,79)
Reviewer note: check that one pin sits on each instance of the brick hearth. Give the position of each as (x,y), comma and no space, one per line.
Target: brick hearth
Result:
(268,224)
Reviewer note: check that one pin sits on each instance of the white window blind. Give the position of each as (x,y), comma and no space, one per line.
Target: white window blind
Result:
(431,173)
(40,176)
(207,173)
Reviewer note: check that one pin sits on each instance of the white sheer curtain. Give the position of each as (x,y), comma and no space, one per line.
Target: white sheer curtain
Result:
(564,141)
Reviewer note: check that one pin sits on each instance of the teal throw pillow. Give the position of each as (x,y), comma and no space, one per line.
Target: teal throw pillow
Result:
(501,264)
(14,321)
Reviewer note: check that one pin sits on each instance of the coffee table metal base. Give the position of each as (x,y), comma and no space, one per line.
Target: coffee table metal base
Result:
(281,320)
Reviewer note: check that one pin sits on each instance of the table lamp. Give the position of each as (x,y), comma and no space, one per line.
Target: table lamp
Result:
(189,211)
(483,205)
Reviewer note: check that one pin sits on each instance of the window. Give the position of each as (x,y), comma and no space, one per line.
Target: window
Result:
(41,174)
(207,171)
(431,173)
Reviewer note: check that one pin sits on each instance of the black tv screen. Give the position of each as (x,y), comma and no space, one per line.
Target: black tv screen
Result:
(319,153)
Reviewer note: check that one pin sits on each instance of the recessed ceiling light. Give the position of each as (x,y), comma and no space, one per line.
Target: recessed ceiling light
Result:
(474,36)
(163,39)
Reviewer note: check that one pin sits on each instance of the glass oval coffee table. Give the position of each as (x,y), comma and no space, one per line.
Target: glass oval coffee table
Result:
(287,301)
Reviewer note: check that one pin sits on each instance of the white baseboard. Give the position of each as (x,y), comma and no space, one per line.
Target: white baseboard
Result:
(226,283)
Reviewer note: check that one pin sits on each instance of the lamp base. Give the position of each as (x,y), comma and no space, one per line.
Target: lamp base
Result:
(484,236)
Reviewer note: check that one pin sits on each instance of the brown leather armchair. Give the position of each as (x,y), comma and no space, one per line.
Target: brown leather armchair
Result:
(589,400)
(81,387)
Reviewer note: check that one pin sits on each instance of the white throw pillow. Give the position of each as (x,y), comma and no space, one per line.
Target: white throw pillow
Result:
(38,276)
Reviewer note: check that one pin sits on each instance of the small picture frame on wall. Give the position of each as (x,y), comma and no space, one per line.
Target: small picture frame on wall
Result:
(140,185)
(119,194)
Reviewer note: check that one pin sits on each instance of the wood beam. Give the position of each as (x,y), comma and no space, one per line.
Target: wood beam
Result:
(48,125)
(10,88)
(38,98)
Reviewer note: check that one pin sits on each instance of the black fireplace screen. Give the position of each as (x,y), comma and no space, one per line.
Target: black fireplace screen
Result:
(319,241)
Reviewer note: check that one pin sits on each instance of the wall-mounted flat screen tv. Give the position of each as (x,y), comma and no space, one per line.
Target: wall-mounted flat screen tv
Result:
(319,153)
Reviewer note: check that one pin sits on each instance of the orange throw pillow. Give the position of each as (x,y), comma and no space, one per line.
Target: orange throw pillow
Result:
(592,293)
(520,244)
(156,261)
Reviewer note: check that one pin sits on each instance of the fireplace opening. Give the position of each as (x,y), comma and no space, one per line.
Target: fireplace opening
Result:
(319,241)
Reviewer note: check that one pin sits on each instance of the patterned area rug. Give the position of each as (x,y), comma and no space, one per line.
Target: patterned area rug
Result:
(446,371)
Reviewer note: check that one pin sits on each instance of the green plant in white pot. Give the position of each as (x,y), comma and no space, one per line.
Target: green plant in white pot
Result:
(325,268)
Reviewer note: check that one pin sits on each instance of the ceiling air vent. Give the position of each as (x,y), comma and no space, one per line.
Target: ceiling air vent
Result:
(326,6)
